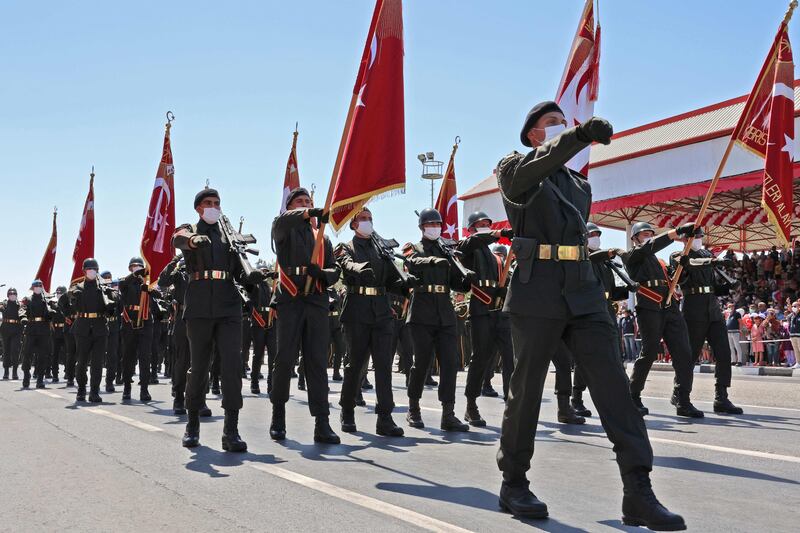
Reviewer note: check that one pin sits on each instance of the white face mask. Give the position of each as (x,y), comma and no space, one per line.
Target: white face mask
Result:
(553,131)
(593,243)
(483,230)
(12,297)
(37,290)
(697,244)
(211,215)
(432,233)
(364,228)
(91,274)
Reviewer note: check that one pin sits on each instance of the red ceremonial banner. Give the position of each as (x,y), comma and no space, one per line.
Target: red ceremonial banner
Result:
(447,202)
(291,179)
(45,272)
(159,226)
(84,245)
(776,194)
(373,157)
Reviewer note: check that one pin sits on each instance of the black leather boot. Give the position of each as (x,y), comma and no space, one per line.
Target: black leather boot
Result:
(337,376)
(637,401)
(685,407)
(269,383)
(473,416)
(14,375)
(81,395)
(673,399)
(414,416)
(126,391)
(254,387)
(231,441)
(204,411)
(360,399)
(277,427)
(144,394)
(577,404)
(191,438)
(5,374)
(94,396)
(517,499)
(40,382)
(366,385)
(26,379)
(449,420)
(566,414)
(386,427)
(348,418)
(110,386)
(489,391)
(723,405)
(215,386)
(301,382)
(55,378)
(323,432)
(641,508)
(178,407)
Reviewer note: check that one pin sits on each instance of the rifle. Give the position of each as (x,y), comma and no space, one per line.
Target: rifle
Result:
(447,248)
(385,248)
(239,244)
(620,271)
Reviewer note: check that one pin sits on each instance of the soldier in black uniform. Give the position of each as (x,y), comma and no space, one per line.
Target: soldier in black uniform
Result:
(338,346)
(302,318)
(37,336)
(263,335)
(57,324)
(556,297)
(213,315)
(91,302)
(656,319)
(505,346)
(704,318)
(432,318)
(112,358)
(137,333)
(69,339)
(367,317)
(11,330)
(483,309)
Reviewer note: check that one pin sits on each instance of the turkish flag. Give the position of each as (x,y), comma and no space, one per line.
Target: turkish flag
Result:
(577,91)
(45,272)
(291,180)
(373,149)
(159,226)
(84,245)
(776,194)
(447,202)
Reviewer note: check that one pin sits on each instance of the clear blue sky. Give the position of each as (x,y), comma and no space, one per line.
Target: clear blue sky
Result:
(88,83)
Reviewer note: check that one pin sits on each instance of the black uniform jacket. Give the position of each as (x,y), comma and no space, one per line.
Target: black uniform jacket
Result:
(12,311)
(431,308)
(38,314)
(704,306)
(353,258)
(643,266)
(294,244)
(476,256)
(547,203)
(209,298)
(89,297)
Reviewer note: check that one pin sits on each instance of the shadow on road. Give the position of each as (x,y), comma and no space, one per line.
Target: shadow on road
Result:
(683,463)
(207,460)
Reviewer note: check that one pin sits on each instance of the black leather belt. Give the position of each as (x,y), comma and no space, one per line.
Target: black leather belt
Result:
(10,321)
(210,274)
(112,319)
(294,271)
(90,315)
(366,291)
(437,289)
(485,283)
(654,283)
(699,290)
(36,319)
(264,309)
(333,313)
(132,307)
(57,324)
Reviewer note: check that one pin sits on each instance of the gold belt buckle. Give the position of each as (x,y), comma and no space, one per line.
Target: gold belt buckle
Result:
(438,289)
(567,253)
(545,252)
(370,291)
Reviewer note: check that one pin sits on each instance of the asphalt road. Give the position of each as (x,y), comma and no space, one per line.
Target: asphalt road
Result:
(120,466)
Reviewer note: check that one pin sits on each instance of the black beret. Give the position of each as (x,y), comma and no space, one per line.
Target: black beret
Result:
(534,115)
(298,191)
(205,193)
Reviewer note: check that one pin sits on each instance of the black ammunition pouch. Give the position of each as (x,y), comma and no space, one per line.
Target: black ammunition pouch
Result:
(525,252)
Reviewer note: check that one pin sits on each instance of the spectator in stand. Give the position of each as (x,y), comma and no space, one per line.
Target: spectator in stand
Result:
(755,336)
(744,335)
(771,332)
(733,323)
(794,332)
(627,328)
(768,265)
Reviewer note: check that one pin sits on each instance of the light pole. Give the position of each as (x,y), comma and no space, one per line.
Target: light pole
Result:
(431,169)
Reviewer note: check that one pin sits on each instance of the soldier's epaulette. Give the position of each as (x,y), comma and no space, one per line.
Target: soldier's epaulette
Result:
(509,162)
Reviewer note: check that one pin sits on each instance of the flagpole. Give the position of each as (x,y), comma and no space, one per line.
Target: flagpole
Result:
(707,200)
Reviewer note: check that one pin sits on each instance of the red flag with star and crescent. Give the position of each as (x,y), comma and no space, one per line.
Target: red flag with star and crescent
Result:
(291,179)
(45,272)
(766,128)
(84,244)
(373,155)
(447,202)
(577,91)
(156,247)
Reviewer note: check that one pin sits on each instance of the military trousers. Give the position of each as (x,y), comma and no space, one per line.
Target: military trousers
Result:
(487,338)
(667,324)
(181,361)
(593,344)
(205,336)
(138,345)
(716,334)
(364,340)
(264,340)
(112,354)
(37,352)
(441,341)
(12,341)
(90,352)
(69,355)
(339,348)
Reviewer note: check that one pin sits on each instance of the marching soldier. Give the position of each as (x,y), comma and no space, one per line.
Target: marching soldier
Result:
(37,336)
(302,318)
(213,314)
(11,330)
(504,334)
(401,340)
(432,318)
(555,297)
(483,312)
(656,319)
(369,273)
(112,346)
(704,318)
(69,339)
(91,302)
(137,329)
(262,330)
(338,346)
(57,325)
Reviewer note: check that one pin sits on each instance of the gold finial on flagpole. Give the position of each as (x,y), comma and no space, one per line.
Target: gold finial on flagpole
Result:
(170,118)
(788,16)
(208,183)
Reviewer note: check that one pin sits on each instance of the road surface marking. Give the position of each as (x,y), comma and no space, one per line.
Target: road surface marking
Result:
(738,404)
(48,393)
(124,419)
(373,504)
(737,451)
(422,407)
